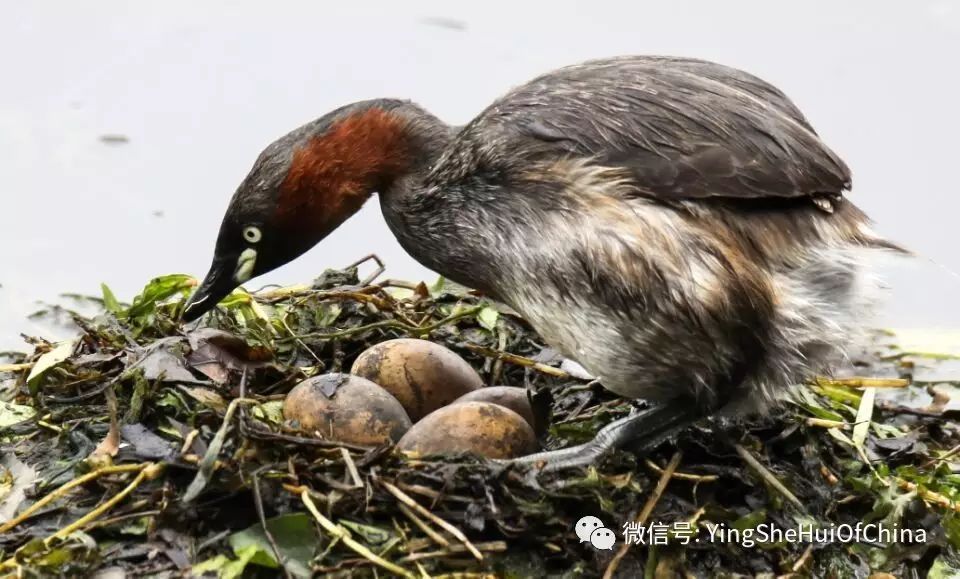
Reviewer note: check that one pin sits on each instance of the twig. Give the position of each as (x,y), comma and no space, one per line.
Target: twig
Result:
(16,367)
(824,423)
(928,355)
(861,382)
(804,558)
(341,534)
(351,468)
(147,471)
(121,518)
(949,454)
(929,496)
(767,476)
(405,499)
(645,512)
(489,547)
(188,441)
(65,488)
(264,434)
(435,536)
(517,360)
(258,503)
(373,275)
(682,475)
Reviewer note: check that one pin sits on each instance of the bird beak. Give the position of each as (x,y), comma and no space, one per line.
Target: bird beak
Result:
(218,283)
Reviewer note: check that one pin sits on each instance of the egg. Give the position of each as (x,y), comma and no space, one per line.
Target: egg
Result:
(483,428)
(512,397)
(347,409)
(422,375)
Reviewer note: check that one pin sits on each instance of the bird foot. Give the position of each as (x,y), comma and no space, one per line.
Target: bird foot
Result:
(650,427)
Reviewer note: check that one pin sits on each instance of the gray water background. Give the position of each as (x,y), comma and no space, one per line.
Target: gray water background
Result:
(199,88)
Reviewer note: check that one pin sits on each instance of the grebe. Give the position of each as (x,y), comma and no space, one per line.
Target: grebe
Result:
(676,226)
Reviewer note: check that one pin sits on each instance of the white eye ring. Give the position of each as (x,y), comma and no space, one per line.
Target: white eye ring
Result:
(252,234)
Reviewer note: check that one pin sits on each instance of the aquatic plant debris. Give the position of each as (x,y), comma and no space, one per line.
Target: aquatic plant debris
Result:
(199,474)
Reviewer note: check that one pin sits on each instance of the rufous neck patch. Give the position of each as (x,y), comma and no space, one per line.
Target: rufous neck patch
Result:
(333,174)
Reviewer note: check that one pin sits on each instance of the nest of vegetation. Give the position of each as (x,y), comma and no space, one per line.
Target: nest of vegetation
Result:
(146,448)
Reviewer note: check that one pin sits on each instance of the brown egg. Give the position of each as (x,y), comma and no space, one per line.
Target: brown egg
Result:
(346,408)
(511,397)
(479,427)
(422,375)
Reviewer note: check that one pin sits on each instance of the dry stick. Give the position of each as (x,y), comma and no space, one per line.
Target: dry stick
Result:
(188,441)
(517,360)
(405,499)
(375,274)
(929,496)
(351,468)
(645,512)
(861,382)
(802,560)
(121,518)
(16,367)
(492,546)
(341,534)
(150,471)
(682,475)
(65,488)
(949,454)
(767,476)
(435,536)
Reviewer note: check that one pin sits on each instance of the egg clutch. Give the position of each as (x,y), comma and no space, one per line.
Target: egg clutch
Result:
(419,395)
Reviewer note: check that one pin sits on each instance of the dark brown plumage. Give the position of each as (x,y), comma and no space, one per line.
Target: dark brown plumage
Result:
(674,225)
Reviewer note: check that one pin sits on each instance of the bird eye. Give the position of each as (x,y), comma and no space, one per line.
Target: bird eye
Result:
(252,234)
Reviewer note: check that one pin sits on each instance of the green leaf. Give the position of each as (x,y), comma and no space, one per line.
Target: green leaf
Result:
(270,412)
(864,415)
(371,535)
(58,354)
(942,568)
(209,460)
(225,567)
(296,539)
(750,520)
(488,318)
(159,289)
(327,314)
(444,286)
(238,297)
(110,301)
(11,413)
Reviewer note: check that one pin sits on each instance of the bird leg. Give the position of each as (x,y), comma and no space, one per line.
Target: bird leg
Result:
(649,427)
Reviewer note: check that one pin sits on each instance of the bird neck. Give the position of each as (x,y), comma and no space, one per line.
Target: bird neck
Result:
(370,146)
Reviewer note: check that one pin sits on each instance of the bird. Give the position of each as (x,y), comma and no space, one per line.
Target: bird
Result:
(674,225)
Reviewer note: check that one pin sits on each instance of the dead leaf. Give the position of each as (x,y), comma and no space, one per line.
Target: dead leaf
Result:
(160,361)
(207,397)
(145,443)
(110,445)
(216,353)
(21,477)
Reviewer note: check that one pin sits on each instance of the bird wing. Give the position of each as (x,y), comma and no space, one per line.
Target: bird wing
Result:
(680,128)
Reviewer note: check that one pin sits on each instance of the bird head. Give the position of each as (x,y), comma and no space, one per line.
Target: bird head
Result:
(301,188)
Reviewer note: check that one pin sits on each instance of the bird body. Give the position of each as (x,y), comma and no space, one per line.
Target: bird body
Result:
(674,225)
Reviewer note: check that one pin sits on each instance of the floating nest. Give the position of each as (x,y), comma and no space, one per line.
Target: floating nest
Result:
(146,448)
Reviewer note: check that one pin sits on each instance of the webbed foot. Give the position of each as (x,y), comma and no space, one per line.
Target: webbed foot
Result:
(647,427)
